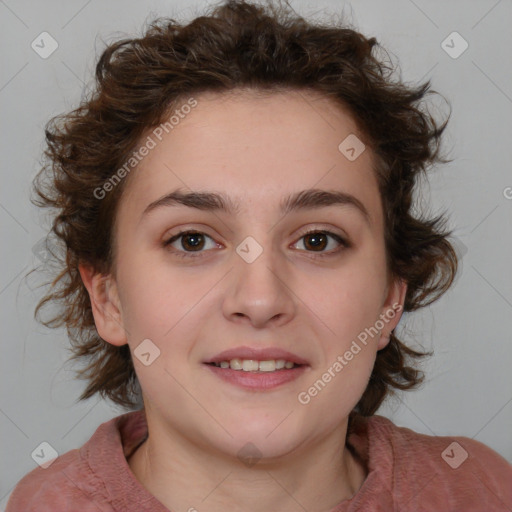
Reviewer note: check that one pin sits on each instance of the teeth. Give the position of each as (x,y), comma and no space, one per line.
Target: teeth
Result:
(267,366)
(251,365)
(236,364)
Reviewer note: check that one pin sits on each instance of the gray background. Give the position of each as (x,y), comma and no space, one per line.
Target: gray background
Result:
(468,390)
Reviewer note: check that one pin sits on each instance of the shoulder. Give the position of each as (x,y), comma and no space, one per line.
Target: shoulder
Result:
(79,479)
(58,487)
(456,471)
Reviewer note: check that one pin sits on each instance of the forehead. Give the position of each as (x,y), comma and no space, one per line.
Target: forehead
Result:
(256,147)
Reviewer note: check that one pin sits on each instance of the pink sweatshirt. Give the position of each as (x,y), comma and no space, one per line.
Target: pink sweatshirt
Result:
(407,472)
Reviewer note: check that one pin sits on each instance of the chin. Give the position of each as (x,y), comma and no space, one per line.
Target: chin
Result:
(272,436)
(250,450)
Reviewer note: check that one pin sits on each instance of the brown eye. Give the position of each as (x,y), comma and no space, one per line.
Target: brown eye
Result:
(316,241)
(192,241)
(186,243)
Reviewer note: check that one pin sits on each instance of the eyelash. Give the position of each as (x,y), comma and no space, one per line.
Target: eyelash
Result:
(195,254)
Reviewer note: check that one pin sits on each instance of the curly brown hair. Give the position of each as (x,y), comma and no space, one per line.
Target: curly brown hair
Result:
(236,45)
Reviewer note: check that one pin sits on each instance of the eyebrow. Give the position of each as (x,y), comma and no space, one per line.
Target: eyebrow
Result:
(303,200)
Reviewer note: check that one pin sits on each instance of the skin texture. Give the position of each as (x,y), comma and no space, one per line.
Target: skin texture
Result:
(256,149)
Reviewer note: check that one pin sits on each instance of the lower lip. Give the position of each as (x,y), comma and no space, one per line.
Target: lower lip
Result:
(257,381)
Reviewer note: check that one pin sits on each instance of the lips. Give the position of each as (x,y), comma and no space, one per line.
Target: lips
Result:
(258,354)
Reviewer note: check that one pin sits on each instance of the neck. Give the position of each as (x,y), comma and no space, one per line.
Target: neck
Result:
(316,476)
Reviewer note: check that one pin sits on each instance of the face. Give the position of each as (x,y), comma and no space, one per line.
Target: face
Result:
(307,279)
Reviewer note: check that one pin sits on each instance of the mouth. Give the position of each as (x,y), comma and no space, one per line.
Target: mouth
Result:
(257,369)
(255,366)
(257,359)
(256,380)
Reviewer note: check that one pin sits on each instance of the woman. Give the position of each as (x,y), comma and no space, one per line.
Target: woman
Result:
(235,200)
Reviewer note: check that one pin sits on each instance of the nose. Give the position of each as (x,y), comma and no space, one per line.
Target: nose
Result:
(260,293)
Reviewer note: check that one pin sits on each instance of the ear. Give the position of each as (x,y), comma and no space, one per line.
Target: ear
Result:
(392,310)
(106,307)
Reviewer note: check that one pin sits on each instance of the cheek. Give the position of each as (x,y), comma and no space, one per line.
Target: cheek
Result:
(144,280)
(349,298)
(348,309)
(156,297)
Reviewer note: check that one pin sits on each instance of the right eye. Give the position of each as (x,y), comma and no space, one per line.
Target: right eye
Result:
(191,242)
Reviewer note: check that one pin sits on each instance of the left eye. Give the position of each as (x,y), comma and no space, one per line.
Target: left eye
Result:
(318,241)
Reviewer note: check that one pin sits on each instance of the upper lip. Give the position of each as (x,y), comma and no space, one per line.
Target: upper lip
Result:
(258,354)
